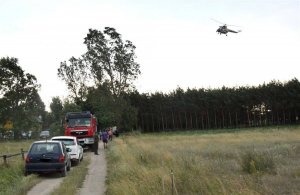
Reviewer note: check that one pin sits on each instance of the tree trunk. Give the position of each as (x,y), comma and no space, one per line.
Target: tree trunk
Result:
(162,121)
(248,116)
(216,125)
(186,121)
(180,122)
(223,119)
(196,120)
(236,120)
(173,120)
(191,119)
(208,121)
(153,125)
(230,122)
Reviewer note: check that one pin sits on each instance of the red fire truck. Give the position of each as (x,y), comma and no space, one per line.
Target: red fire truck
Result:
(82,125)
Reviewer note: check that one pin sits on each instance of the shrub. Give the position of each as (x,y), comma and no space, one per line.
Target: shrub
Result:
(253,162)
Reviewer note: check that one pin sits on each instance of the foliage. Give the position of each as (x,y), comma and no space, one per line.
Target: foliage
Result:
(76,77)
(19,94)
(253,162)
(98,78)
(74,180)
(112,60)
(110,111)
(274,103)
(12,180)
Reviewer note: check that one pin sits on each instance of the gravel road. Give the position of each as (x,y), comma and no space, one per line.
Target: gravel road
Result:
(95,179)
(94,182)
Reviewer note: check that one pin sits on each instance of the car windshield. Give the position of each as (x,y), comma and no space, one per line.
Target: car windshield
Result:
(45,133)
(67,142)
(41,148)
(79,122)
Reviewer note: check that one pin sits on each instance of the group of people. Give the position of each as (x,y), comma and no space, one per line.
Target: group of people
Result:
(105,136)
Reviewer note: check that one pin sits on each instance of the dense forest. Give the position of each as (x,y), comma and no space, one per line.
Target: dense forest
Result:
(274,103)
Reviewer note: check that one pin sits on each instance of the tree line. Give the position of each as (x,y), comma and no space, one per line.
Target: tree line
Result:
(274,103)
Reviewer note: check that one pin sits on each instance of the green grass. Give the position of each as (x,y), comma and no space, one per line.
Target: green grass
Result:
(74,179)
(248,161)
(252,161)
(12,180)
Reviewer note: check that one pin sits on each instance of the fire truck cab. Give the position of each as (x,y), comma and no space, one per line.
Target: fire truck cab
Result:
(82,125)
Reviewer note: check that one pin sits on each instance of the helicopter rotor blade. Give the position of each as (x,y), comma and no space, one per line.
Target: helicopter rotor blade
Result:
(225,24)
(234,26)
(217,21)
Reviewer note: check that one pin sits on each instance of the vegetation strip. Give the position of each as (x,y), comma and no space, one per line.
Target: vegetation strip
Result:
(241,162)
(74,180)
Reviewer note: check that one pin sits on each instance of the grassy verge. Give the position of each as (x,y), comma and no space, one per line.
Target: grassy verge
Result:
(12,180)
(74,180)
(254,161)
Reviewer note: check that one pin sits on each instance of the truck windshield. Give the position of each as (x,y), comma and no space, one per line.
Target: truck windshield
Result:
(79,122)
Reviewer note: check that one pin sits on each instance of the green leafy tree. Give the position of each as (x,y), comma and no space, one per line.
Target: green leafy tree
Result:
(76,76)
(19,98)
(100,78)
(111,60)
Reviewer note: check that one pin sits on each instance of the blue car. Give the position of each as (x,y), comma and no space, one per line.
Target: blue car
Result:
(47,156)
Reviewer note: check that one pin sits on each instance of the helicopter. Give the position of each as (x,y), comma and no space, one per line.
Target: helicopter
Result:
(224,29)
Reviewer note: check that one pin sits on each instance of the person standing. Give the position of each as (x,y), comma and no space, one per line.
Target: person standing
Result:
(105,139)
(110,134)
(96,143)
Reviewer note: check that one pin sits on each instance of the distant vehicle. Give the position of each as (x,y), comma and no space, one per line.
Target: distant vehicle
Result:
(82,125)
(71,142)
(45,134)
(48,156)
(26,134)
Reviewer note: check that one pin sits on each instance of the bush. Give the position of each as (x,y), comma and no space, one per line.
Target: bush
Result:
(253,162)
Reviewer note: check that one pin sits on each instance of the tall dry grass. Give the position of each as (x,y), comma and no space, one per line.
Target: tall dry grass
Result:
(206,163)
(74,181)
(12,180)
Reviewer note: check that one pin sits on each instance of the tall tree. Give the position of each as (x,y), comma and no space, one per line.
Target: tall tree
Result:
(76,76)
(111,60)
(19,94)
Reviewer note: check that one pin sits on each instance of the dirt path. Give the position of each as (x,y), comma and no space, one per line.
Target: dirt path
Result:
(46,186)
(94,182)
(95,179)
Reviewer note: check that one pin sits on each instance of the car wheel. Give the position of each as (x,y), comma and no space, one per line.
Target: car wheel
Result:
(64,172)
(26,173)
(76,162)
(69,166)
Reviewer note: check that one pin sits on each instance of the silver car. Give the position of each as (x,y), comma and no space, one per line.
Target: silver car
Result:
(71,142)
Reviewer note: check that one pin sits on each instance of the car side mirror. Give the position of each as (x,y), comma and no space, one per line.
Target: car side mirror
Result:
(68,149)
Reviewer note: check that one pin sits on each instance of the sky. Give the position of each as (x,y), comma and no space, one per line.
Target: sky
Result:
(176,40)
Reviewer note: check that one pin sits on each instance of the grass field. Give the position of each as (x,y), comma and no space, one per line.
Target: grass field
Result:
(253,161)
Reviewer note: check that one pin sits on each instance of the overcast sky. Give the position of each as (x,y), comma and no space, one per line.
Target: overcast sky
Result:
(176,40)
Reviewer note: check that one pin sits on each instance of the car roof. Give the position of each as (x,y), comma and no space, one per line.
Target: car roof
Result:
(46,141)
(63,137)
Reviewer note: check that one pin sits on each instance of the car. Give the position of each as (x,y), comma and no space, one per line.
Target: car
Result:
(45,134)
(47,156)
(72,143)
